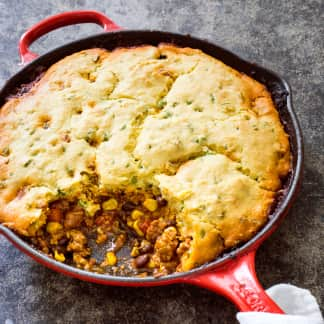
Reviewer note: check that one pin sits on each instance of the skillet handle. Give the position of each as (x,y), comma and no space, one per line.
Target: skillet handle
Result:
(60,20)
(238,283)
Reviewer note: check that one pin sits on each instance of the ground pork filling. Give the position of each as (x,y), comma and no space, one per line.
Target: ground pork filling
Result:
(117,234)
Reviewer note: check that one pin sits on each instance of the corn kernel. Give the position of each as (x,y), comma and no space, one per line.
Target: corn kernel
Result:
(111,258)
(110,204)
(151,264)
(137,229)
(130,223)
(59,256)
(53,227)
(91,208)
(134,252)
(136,214)
(150,204)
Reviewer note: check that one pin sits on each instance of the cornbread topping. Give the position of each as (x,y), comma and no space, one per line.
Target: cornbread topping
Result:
(163,144)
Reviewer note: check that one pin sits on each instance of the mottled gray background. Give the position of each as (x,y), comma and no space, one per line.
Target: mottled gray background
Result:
(286,36)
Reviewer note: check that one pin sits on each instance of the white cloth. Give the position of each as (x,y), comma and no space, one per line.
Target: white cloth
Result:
(299,305)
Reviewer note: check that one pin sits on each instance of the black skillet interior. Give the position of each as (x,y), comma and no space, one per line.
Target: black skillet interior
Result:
(277,86)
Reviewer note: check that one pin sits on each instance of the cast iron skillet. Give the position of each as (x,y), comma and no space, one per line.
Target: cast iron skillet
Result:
(232,274)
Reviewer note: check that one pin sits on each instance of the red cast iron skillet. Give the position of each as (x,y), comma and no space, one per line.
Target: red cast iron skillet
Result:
(231,275)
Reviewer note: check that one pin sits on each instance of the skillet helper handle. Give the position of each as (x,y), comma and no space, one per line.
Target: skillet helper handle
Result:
(57,21)
(238,283)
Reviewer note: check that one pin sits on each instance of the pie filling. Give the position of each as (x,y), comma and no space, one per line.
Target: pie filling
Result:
(136,233)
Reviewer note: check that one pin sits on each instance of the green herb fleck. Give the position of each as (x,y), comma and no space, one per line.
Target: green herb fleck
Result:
(161,103)
(123,127)
(106,137)
(201,140)
(27,163)
(182,205)
(212,98)
(202,233)
(82,203)
(208,152)
(90,137)
(175,104)
(133,180)
(167,114)
(60,192)
(198,109)
(189,102)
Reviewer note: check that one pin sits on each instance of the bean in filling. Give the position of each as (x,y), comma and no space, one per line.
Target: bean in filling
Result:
(133,234)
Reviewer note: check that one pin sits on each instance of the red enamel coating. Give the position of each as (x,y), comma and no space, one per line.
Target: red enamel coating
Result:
(238,282)
(57,21)
(72,272)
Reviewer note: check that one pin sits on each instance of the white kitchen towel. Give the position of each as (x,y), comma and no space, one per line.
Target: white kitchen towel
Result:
(299,305)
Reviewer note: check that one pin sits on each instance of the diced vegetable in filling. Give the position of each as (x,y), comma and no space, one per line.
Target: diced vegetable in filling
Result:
(142,224)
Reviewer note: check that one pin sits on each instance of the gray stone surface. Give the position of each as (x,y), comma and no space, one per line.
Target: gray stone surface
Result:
(286,36)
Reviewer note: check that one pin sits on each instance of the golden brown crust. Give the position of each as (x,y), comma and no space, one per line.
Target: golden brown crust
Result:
(146,113)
